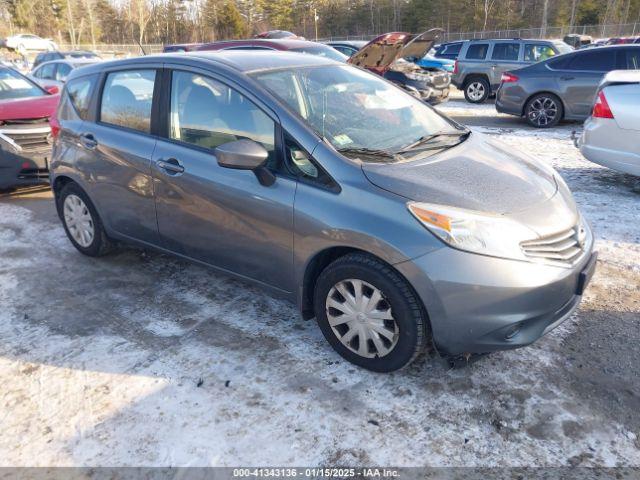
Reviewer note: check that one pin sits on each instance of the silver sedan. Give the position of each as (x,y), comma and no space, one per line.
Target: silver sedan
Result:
(611,135)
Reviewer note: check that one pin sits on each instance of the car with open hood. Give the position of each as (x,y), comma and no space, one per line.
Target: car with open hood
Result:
(25,133)
(391,224)
(392,56)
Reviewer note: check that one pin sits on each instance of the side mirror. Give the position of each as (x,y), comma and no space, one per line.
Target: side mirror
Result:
(245,155)
(52,89)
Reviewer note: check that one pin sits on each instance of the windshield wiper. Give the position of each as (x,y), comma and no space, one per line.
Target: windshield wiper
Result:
(427,138)
(371,152)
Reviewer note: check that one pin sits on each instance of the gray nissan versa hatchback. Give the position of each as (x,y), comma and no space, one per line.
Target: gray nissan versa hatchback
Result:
(391,224)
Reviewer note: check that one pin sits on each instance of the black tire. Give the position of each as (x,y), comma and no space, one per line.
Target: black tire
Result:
(479,85)
(408,313)
(100,244)
(538,110)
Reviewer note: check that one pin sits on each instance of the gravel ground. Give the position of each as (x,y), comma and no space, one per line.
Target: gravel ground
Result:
(142,359)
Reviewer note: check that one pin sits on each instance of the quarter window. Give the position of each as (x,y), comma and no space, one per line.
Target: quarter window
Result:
(537,53)
(79,93)
(506,51)
(477,51)
(207,113)
(127,99)
(598,61)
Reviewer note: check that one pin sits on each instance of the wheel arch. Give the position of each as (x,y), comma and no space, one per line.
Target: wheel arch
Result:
(470,76)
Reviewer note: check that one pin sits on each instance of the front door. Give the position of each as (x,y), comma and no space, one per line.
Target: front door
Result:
(223,217)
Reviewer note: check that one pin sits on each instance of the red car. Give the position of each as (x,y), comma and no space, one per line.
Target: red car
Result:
(299,46)
(25,133)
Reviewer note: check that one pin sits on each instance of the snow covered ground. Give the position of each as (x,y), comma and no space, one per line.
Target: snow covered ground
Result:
(142,359)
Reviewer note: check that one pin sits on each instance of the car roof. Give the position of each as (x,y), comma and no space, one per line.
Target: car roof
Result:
(276,43)
(243,61)
(72,61)
(622,76)
(350,43)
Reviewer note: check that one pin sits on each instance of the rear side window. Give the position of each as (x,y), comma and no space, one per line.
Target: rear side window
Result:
(477,51)
(451,49)
(597,60)
(47,72)
(62,72)
(632,59)
(79,94)
(126,99)
(506,51)
(537,53)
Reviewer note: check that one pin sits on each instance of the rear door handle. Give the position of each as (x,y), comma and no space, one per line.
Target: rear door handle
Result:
(567,77)
(171,166)
(88,141)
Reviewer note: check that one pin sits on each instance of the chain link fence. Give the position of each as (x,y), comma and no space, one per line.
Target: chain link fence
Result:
(595,31)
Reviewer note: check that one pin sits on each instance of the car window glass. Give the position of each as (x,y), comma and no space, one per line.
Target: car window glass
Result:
(633,59)
(505,51)
(79,93)
(127,98)
(452,48)
(62,72)
(47,72)
(207,113)
(537,53)
(477,51)
(599,61)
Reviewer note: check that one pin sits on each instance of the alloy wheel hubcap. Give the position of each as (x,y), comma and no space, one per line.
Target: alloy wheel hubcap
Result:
(78,220)
(475,91)
(543,111)
(361,318)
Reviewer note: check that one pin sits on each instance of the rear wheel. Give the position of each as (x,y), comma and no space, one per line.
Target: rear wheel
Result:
(81,222)
(369,313)
(477,90)
(544,110)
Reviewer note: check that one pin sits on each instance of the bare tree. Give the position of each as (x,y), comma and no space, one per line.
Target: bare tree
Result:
(545,16)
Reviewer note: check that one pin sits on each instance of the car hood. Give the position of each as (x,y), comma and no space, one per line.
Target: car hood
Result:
(382,51)
(479,174)
(28,108)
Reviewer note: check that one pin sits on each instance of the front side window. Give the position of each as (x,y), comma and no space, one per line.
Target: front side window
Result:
(126,99)
(537,53)
(597,61)
(506,51)
(14,85)
(354,109)
(207,113)
(79,93)
(477,51)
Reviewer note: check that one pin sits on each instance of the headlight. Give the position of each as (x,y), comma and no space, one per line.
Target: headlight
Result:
(475,232)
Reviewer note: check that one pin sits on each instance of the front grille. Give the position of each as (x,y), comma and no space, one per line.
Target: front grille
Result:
(32,138)
(561,248)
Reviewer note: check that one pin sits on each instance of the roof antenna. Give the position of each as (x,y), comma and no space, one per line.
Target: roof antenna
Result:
(144,52)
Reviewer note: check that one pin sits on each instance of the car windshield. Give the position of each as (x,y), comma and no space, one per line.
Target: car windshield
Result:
(357,111)
(563,47)
(13,85)
(326,52)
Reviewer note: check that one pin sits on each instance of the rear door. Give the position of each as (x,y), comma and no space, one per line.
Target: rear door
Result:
(579,79)
(117,150)
(220,216)
(504,56)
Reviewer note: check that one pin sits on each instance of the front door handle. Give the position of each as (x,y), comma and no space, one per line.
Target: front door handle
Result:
(171,166)
(567,77)
(88,141)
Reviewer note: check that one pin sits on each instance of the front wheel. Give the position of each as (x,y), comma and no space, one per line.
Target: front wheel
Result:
(81,222)
(369,314)
(544,110)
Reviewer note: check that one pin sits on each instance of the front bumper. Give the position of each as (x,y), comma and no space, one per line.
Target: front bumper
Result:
(24,156)
(479,304)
